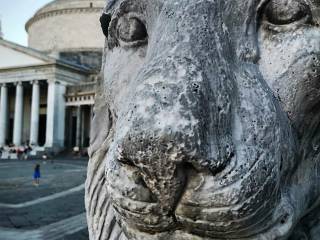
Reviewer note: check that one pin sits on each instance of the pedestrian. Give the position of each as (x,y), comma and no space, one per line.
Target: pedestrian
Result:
(25,153)
(36,175)
(19,153)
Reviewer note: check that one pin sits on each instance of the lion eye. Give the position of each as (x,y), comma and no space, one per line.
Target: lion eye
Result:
(282,12)
(131,29)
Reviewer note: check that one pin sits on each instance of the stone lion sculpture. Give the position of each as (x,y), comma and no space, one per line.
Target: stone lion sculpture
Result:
(206,121)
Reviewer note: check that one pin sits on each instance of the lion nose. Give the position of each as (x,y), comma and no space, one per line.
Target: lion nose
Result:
(158,134)
(162,121)
(166,127)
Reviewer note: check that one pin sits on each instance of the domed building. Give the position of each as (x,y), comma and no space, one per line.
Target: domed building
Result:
(72,30)
(47,88)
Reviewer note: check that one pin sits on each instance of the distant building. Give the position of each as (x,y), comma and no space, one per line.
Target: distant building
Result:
(47,89)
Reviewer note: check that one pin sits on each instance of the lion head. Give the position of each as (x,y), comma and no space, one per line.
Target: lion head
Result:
(206,121)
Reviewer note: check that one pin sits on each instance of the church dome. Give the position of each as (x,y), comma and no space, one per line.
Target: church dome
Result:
(66,26)
(70,4)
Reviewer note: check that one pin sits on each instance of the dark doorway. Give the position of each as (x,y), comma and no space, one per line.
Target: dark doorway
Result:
(42,129)
(74,130)
(9,139)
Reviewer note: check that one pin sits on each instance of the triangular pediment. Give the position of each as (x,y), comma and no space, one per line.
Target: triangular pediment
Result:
(15,56)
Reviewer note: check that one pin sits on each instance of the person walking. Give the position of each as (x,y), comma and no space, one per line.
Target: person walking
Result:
(19,153)
(36,175)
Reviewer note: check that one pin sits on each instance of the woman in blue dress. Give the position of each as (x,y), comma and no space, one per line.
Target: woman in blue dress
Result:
(36,175)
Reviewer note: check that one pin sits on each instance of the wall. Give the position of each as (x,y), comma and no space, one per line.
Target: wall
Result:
(74,30)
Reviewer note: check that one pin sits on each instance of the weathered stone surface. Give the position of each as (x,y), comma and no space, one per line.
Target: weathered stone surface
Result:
(206,122)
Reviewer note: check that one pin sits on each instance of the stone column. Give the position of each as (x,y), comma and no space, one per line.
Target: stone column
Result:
(51,106)
(78,127)
(18,116)
(35,110)
(55,116)
(3,114)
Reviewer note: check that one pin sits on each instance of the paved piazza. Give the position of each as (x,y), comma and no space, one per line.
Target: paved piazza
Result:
(54,210)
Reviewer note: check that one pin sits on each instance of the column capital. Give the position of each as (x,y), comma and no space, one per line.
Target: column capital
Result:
(50,81)
(34,82)
(53,81)
(18,83)
(4,85)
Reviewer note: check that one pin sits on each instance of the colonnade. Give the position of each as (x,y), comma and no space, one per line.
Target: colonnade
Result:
(55,116)
(81,125)
(18,120)
(18,114)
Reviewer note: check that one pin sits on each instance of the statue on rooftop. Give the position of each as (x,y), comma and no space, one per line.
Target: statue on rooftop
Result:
(206,121)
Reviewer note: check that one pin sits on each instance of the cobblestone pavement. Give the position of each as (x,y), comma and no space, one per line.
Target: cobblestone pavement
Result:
(54,210)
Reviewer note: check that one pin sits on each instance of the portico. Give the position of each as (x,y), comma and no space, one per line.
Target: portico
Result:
(20,112)
(33,97)
(79,108)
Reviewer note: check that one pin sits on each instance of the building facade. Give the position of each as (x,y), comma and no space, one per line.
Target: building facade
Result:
(47,88)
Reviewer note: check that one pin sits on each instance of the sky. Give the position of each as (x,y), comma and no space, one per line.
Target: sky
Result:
(14,14)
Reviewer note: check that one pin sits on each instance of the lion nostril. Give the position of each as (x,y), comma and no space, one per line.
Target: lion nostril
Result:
(142,189)
(139,181)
